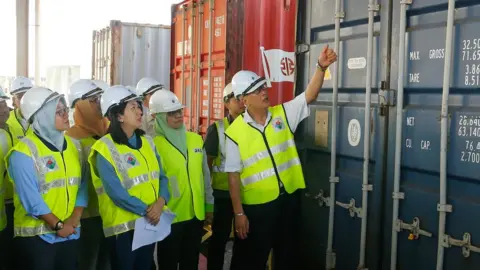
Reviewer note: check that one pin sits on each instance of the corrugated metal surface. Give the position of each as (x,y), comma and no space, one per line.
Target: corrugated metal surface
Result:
(126,52)
(316,139)
(233,43)
(420,143)
(420,164)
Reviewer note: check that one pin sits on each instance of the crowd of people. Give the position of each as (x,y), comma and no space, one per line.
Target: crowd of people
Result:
(70,195)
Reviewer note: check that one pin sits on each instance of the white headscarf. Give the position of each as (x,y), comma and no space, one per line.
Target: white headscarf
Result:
(44,123)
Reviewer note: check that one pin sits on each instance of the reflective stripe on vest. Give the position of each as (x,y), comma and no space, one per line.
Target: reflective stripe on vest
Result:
(16,132)
(53,177)
(219,176)
(138,179)
(44,187)
(269,158)
(127,182)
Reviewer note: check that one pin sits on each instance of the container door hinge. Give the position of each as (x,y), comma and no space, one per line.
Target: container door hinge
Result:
(465,244)
(398,195)
(322,201)
(351,208)
(334,179)
(388,97)
(414,228)
(331,260)
(444,208)
(302,48)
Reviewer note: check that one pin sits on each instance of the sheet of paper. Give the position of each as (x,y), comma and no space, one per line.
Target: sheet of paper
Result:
(146,233)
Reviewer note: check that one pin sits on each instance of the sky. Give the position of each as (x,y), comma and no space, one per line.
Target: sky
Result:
(67,26)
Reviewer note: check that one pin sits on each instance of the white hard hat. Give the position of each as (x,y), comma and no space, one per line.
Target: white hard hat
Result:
(227,91)
(82,89)
(245,81)
(116,95)
(102,84)
(3,96)
(164,101)
(20,85)
(35,99)
(147,86)
(132,88)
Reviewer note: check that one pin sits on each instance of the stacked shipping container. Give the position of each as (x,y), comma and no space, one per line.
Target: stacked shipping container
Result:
(123,53)
(213,39)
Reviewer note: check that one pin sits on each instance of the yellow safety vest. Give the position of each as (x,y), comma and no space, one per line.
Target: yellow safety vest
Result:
(58,176)
(5,145)
(219,176)
(267,158)
(92,208)
(186,185)
(138,172)
(16,134)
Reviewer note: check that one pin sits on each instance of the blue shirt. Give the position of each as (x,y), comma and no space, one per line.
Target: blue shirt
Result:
(118,194)
(22,170)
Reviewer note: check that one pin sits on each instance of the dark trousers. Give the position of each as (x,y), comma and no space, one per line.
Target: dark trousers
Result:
(181,247)
(271,225)
(94,249)
(36,254)
(221,229)
(7,253)
(123,258)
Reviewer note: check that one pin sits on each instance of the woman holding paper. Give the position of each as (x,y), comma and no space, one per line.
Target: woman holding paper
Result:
(189,183)
(128,178)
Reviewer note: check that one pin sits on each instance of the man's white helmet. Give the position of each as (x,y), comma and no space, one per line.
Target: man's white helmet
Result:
(82,89)
(3,96)
(147,86)
(102,84)
(114,96)
(227,92)
(245,81)
(20,85)
(164,101)
(35,99)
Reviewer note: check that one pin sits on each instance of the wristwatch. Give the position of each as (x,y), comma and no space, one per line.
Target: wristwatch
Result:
(58,225)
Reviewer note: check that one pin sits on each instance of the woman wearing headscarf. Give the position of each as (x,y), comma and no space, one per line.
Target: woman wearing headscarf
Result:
(128,177)
(186,165)
(45,168)
(90,125)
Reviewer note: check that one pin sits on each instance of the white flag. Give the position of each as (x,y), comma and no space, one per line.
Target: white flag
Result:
(278,65)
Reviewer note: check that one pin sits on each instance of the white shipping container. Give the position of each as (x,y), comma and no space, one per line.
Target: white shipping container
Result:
(123,53)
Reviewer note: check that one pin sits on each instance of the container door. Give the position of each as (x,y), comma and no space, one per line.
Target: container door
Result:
(339,134)
(101,55)
(417,242)
(199,60)
(141,51)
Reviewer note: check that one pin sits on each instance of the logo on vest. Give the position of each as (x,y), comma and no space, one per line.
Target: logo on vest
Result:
(278,124)
(50,164)
(20,137)
(131,160)
(197,150)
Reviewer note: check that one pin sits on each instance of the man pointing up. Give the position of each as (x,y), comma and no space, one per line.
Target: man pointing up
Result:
(264,169)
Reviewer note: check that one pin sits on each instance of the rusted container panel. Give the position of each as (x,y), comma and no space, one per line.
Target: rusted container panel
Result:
(215,39)
(123,53)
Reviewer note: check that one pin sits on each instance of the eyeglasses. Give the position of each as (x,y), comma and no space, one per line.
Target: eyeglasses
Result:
(62,112)
(258,90)
(175,113)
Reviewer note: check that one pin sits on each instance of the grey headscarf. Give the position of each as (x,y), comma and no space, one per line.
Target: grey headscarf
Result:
(44,123)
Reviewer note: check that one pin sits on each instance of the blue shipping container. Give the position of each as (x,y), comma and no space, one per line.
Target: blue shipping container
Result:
(424,53)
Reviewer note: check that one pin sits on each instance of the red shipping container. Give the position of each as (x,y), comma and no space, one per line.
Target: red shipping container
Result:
(214,39)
